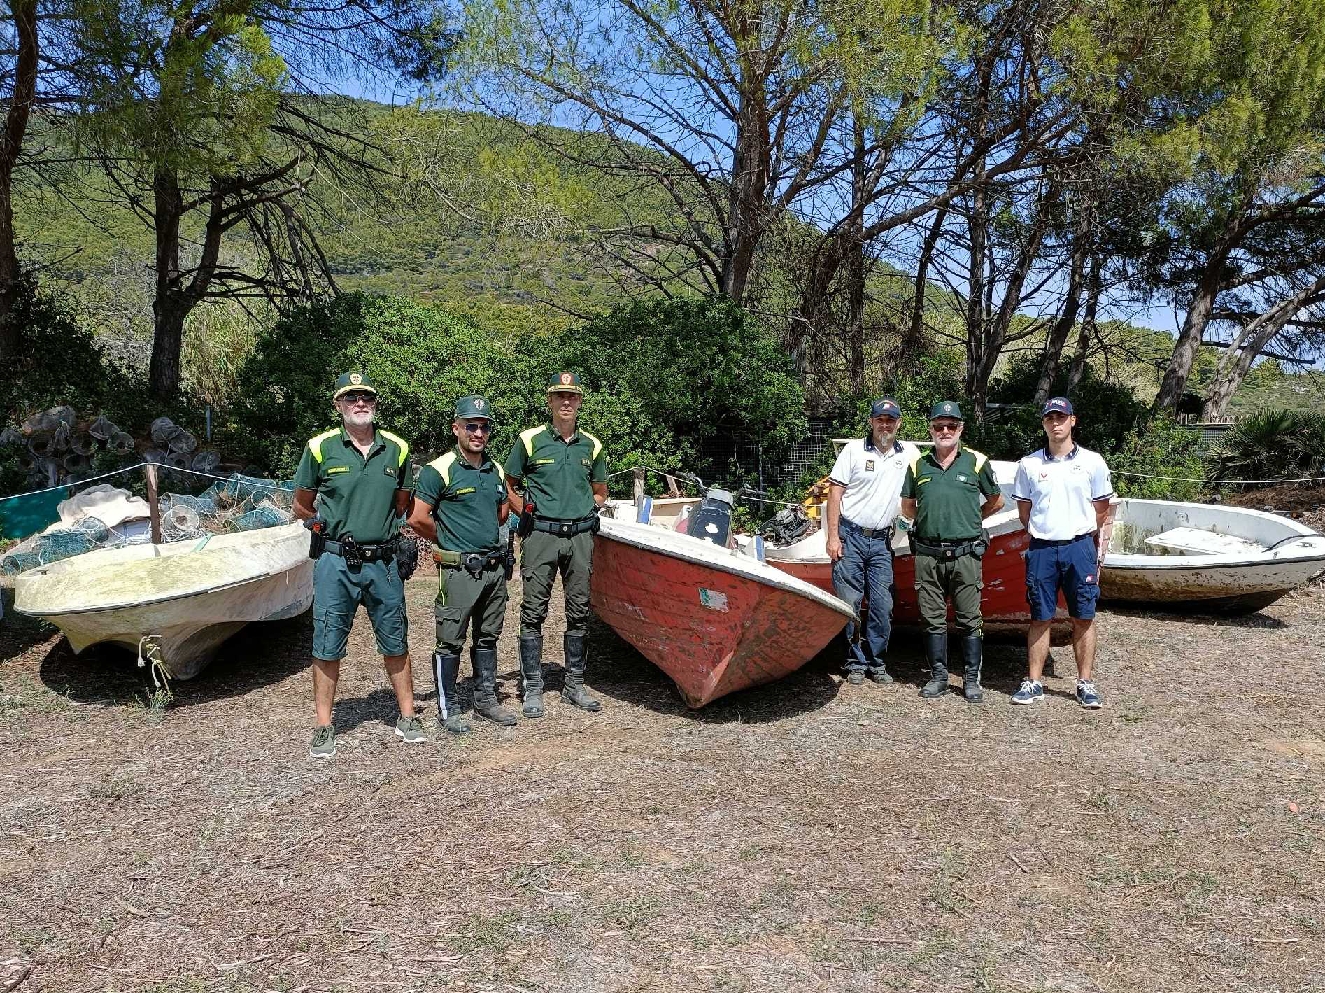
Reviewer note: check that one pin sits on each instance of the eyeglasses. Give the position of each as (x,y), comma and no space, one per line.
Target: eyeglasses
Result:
(481,427)
(944,428)
(359,396)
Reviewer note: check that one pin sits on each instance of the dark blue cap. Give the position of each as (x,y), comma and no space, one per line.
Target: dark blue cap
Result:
(887,407)
(1057,405)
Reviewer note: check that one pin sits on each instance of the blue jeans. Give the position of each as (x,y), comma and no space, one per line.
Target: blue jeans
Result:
(865,570)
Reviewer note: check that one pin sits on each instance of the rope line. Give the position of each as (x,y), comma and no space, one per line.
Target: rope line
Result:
(1220,482)
(141,465)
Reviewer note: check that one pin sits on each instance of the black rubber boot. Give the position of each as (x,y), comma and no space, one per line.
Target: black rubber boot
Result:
(531,673)
(485,687)
(573,692)
(973,647)
(446,670)
(936,651)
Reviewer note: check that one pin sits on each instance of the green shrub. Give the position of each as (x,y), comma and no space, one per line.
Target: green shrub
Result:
(421,358)
(1161,448)
(1273,444)
(667,376)
(57,362)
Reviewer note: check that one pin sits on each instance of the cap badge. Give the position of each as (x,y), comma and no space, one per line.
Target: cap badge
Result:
(947,408)
(355,379)
(565,379)
(478,405)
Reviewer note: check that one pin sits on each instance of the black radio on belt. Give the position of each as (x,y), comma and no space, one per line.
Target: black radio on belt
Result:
(351,552)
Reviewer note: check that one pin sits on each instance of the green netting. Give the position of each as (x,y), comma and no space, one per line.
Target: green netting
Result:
(265,516)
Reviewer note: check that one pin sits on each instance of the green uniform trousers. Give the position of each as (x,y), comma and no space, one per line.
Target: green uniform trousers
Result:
(958,580)
(542,556)
(339,588)
(463,598)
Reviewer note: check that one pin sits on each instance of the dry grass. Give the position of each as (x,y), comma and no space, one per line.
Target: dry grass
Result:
(806,835)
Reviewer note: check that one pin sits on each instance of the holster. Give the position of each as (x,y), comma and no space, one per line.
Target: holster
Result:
(526,526)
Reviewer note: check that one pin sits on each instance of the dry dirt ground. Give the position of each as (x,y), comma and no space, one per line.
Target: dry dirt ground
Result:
(805,835)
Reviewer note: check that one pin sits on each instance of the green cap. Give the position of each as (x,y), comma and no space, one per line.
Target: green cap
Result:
(945,408)
(565,382)
(472,407)
(348,381)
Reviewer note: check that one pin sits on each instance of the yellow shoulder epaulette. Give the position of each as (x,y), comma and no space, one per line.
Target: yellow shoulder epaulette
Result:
(400,443)
(501,473)
(443,467)
(597,445)
(980,459)
(315,443)
(527,436)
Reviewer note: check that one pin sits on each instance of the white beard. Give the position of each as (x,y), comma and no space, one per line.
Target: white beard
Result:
(353,419)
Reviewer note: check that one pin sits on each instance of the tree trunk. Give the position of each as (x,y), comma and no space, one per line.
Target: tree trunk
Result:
(977,316)
(856,268)
(1236,362)
(11,144)
(914,339)
(167,313)
(750,176)
(1053,349)
(1092,309)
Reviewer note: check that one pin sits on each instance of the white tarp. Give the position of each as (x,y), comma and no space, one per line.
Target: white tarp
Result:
(109,504)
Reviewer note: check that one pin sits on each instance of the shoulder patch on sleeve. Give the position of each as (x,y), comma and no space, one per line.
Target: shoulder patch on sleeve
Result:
(443,467)
(401,444)
(315,443)
(527,439)
(597,445)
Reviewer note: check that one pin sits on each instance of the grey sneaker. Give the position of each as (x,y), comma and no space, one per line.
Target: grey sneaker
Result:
(1087,695)
(1031,692)
(855,676)
(410,730)
(879,675)
(323,745)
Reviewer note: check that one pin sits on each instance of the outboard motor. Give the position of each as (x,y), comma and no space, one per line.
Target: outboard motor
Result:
(712,519)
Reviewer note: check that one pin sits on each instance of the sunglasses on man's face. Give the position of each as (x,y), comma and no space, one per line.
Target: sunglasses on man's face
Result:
(943,428)
(479,427)
(358,396)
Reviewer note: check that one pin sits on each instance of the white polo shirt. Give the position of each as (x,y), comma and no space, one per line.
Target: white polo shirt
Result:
(1062,491)
(873,481)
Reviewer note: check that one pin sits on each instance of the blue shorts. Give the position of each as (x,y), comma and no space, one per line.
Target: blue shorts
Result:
(338,589)
(1071,566)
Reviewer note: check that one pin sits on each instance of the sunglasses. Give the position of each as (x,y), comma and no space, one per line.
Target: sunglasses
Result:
(479,428)
(359,396)
(944,428)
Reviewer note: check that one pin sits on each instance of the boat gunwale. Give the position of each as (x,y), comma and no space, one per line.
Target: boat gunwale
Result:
(778,580)
(227,548)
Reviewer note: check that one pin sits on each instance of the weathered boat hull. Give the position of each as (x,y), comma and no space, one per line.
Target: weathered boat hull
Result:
(1223,583)
(713,620)
(1002,601)
(187,596)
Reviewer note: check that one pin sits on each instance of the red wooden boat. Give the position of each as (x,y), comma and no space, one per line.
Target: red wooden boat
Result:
(1003,600)
(714,619)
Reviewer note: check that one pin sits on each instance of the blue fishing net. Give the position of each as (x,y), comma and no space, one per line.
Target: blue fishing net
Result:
(249,490)
(265,516)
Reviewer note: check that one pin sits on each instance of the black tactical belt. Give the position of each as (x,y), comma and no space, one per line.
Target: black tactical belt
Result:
(472,562)
(870,532)
(353,552)
(566,529)
(949,550)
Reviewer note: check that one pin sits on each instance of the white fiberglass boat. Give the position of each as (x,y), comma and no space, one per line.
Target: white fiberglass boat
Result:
(175,602)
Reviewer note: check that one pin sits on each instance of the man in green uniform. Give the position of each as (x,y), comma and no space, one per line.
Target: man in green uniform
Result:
(564,475)
(948,492)
(359,476)
(460,504)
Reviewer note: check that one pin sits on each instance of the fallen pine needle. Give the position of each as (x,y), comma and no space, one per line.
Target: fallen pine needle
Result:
(1276,941)
(1017,862)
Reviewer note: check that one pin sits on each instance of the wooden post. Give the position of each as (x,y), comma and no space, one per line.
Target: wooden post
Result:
(639,488)
(153,508)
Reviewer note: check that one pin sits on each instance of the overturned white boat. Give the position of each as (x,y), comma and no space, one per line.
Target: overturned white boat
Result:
(173,603)
(1206,557)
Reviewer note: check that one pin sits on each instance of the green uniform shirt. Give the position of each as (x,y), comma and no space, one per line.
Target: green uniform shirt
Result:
(948,500)
(356,494)
(465,501)
(556,473)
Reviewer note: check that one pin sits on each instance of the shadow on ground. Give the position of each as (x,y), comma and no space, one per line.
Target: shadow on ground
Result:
(1195,617)
(258,656)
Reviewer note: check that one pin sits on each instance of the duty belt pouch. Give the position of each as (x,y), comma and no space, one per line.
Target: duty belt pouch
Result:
(526,526)
(350,552)
(979,547)
(317,543)
(473,563)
